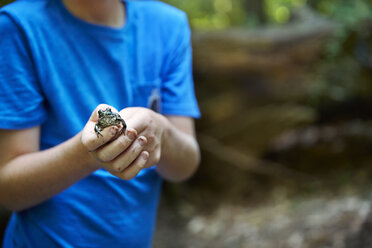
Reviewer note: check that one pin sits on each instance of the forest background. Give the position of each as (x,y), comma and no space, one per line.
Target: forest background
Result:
(285,91)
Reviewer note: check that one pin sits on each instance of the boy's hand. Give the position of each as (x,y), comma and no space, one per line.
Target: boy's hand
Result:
(151,125)
(121,155)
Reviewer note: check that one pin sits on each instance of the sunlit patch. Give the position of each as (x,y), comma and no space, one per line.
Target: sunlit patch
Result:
(282,14)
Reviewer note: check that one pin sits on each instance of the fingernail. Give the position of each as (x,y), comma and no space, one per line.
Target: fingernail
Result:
(142,141)
(113,131)
(144,155)
(131,135)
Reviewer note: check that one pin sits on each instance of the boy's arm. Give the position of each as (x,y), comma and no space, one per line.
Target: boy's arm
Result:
(171,145)
(29,176)
(180,150)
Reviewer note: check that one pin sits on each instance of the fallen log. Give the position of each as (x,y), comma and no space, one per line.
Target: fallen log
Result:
(270,48)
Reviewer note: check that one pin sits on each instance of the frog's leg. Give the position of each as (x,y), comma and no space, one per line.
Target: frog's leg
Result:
(124,125)
(96,129)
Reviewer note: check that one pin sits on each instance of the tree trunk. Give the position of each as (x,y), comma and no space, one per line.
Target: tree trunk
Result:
(256,8)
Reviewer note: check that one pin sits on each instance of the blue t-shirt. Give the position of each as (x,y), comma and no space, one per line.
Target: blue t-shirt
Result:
(54,70)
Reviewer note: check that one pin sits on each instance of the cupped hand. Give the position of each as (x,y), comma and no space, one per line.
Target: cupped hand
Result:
(150,125)
(123,155)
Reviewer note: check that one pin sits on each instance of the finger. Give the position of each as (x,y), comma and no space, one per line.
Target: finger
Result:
(128,156)
(154,159)
(139,121)
(113,149)
(92,141)
(91,134)
(134,168)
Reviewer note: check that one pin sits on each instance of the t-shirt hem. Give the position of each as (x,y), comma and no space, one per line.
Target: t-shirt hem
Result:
(180,112)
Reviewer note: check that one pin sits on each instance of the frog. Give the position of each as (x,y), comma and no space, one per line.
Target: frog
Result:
(107,118)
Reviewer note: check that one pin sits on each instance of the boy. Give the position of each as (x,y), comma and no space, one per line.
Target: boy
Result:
(59,60)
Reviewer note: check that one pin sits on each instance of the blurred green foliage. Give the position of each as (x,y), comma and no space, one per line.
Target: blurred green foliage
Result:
(349,14)
(212,14)
(339,76)
(218,14)
(279,11)
(342,76)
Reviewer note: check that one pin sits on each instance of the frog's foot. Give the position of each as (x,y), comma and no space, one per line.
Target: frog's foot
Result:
(96,129)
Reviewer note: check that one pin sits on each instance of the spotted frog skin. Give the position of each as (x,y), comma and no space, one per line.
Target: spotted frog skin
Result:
(107,118)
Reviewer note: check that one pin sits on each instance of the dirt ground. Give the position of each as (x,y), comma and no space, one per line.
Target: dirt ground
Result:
(277,218)
(228,207)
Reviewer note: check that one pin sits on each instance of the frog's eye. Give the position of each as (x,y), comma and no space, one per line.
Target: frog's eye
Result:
(100,112)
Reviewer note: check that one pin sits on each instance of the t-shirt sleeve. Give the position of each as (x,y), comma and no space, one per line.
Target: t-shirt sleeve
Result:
(21,99)
(178,95)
